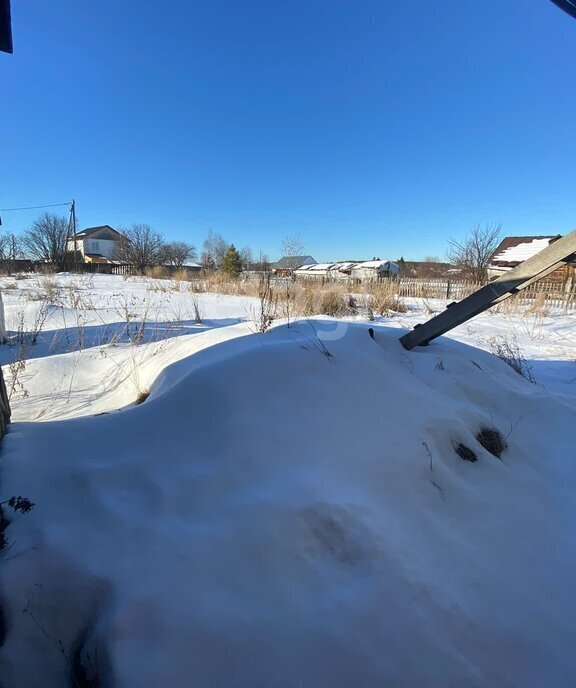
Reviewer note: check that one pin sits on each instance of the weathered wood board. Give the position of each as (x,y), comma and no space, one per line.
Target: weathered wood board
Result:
(531,270)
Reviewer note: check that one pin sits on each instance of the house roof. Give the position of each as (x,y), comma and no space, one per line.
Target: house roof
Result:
(515,250)
(376,264)
(90,230)
(293,262)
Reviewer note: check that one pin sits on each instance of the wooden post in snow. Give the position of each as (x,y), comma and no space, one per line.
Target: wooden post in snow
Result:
(4,402)
(531,270)
(3,339)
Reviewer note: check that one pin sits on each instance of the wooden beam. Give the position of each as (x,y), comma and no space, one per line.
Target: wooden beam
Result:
(531,270)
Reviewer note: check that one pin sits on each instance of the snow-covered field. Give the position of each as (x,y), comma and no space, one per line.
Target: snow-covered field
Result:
(283,509)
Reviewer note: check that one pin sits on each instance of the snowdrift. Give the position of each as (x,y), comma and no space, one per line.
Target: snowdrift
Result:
(289,510)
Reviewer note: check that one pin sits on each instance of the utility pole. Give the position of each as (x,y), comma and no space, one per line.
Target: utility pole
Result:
(73,217)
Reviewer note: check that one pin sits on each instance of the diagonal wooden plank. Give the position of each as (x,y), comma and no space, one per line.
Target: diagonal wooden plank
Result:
(531,270)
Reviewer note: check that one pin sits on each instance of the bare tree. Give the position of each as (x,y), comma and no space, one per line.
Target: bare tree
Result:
(10,251)
(142,247)
(176,253)
(247,258)
(292,245)
(214,249)
(472,255)
(263,263)
(47,240)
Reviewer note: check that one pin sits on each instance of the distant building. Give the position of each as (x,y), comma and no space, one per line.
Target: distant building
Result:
(427,269)
(288,264)
(514,250)
(324,271)
(372,270)
(367,271)
(98,244)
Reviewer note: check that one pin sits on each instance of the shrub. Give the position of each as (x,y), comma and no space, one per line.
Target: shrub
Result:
(156,272)
(465,453)
(308,301)
(181,275)
(508,350)
(331,303)
(383,299)
(198,314)
(142,396)
(267,304)
(492,440)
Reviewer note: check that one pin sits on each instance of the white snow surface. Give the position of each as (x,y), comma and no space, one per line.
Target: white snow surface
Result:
(288,509)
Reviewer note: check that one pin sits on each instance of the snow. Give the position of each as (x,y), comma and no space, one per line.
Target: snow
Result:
(287,509)
(523,251)
(375,263)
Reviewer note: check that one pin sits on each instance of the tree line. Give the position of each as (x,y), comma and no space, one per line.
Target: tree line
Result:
(47,240)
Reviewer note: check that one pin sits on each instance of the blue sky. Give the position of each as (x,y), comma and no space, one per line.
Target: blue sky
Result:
(368,127)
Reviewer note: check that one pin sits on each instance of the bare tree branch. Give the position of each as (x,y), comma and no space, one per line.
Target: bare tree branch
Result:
(47,240)
(472,255)
(176,253)
(142,247)
(292,245)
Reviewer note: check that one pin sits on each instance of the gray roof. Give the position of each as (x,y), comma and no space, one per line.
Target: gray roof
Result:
(91,230)
(293,262)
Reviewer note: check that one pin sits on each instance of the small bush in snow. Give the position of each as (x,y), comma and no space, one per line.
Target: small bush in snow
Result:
(332,303)
(465,453)
(198,315)
(492,440)
(156,272)
(267,304)
(22,504)
(508,350)
(142,396)
(181,275)
(383,299)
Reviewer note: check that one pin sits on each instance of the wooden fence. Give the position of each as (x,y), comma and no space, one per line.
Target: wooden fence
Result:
(545,293)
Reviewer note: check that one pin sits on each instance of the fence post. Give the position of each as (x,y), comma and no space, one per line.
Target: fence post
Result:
(448,289)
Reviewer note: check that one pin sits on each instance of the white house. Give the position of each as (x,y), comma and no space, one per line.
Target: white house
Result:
(372,270)
(98,244)
(288,264)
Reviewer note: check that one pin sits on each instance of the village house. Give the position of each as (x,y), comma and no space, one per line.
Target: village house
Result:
(324,271)
(288,264)
(513,251)
(98,245)
(373,270)
(367,271)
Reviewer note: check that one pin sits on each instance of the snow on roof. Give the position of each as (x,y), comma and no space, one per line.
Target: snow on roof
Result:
(519,249)
(321,266)
(375,263)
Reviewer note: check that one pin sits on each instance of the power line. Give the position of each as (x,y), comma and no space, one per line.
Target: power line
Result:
(34,207)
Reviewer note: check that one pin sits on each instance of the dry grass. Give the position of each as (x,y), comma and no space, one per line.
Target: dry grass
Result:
(332,303)
(181,275)
(156,272)
(508,350)
(307,298)
(382,298)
